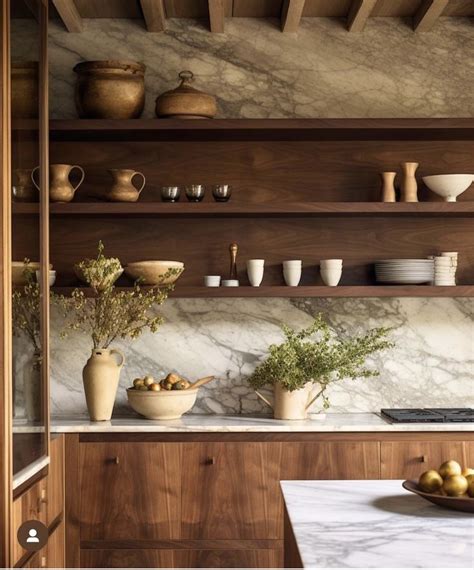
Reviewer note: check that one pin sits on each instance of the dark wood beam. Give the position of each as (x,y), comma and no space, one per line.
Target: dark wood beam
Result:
(291,13)
(427,14)
(359,13)
(69,15)
(216,16)
(154,14)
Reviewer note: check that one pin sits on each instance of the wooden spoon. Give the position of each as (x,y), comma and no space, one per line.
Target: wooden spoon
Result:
(201,382)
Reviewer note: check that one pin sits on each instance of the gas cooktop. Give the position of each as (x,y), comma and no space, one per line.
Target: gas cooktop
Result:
(415,415)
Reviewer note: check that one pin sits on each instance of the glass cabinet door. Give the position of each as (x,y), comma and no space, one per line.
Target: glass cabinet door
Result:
(30,294)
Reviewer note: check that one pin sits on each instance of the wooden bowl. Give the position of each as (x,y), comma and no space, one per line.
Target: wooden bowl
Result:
(465,504)
(152,272)
(162,405)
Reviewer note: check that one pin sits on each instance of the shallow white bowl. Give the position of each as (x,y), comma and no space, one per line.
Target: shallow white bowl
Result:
(449,186)
(162,405)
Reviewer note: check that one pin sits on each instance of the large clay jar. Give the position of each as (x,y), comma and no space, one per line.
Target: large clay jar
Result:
(122,189)
(101,378)
(23,189)
(110,89)
(186,102)
(24,90)
(292,405)
(409,189)
(60,187)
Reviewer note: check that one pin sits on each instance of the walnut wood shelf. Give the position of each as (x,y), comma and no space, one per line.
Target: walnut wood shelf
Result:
(234,209)
(307,291)
(257,129)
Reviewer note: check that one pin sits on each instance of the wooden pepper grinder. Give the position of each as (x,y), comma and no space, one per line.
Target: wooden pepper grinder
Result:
(388,186)
(409,190)
(233,250)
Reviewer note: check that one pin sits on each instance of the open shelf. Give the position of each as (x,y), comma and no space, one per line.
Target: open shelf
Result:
(307,291)
(257,129)
(235,209)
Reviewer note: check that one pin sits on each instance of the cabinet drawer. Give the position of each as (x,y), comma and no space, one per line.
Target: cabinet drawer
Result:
(407,460)
(231,491)
(331,460)
(28,506)
(271,558)
(129,490)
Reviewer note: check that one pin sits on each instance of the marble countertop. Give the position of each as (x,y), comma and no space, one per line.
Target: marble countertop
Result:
(375,524)
(217,423)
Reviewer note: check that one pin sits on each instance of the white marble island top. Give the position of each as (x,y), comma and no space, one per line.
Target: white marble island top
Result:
(375,524)
(216,423)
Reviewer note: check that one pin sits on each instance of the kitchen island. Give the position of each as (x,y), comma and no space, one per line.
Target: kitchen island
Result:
(371,524)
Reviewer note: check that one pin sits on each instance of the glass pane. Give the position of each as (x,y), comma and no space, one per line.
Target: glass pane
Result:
(28,420)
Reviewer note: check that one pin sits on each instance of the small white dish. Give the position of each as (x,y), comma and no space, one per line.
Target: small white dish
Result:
(52,277)
(230,283)
(449,186)
(212,280)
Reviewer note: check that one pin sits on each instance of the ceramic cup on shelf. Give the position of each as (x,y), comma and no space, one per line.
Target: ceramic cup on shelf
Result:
(331,271)
(230,283)
(212,280)
(255,269)
(292,272)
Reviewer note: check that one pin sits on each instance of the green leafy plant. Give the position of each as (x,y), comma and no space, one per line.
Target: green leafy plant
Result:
(316,354)
(112,314)
(26,308)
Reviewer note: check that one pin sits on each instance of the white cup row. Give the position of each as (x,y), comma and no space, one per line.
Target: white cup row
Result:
(331,272)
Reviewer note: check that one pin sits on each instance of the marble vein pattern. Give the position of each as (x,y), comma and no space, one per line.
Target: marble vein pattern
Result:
(255,71)
(375,524)
(431,365)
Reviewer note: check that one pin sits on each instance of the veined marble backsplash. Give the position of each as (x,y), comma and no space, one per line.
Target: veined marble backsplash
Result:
(431,365)
(254,70)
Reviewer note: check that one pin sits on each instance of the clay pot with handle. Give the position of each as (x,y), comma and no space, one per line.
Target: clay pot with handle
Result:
(291,405)
(23,189)
(101,378)
(122,189)
(60,187)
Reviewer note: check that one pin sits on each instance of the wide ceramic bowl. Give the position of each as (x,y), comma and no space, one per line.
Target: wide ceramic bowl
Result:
(162,405)
(449,186)
(19,271)
(463,503)
(154,272)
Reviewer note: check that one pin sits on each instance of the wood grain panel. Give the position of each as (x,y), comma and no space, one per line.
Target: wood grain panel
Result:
(326,8)
(231,490)
(55,549)
(128,558)
(459,8)
(291,13)
(69,15)
(138,497)
(73,476)
(229,558)
(408,460)
(55,480)
(186,8)
(356,460)
(426,16)
(154,14)
(257,8)
(108,8)
(398,8)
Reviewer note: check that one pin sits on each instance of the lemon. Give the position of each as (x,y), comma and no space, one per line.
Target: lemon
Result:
(449,468)
(430,481)
(455,485)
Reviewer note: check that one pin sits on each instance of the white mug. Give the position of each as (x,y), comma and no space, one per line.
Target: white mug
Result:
(212,280)
(292,272)
(255,269)
(230,283)
(331,276)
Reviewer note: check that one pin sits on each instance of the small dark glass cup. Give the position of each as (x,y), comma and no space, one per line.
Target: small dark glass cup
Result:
(195,192)
(221,192)
(170,193)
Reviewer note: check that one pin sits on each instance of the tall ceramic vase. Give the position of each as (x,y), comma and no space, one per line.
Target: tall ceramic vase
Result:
(101,378)
(409,186)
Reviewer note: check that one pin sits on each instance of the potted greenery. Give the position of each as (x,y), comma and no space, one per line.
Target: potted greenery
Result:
(303,366)
(109,315)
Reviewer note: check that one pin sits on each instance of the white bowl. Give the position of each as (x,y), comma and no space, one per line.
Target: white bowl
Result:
(449,186)
(52,277)
(162,405)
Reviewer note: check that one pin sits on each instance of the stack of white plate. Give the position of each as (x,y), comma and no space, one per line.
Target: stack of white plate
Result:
(404,271)
(445,266)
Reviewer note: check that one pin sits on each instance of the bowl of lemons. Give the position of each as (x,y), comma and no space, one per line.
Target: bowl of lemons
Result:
(450,486)
(166,399)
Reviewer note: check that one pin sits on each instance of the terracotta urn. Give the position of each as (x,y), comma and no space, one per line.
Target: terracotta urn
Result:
(101,378)
(292,405)
(186,102)
(122,189)
(60,187)
(24,90)
(110,89)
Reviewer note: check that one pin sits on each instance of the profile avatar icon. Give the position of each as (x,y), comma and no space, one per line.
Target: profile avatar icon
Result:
(32,535)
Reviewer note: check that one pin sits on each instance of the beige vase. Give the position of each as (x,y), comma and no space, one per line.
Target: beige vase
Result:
(101,377)
(122,189)
(291,405)
(409,189)
(60,187)
(388,186)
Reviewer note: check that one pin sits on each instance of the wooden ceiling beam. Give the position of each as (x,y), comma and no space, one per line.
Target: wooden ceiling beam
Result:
(69,15)
(427,14)
(359,13)
(291,13)
(216,16)
(154,15)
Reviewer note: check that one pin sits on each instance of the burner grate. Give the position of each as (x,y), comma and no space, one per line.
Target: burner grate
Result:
(431,415)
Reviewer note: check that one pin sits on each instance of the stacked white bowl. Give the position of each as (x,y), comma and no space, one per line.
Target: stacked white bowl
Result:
(445,266)
(292,272)
(331,271)
(404,271)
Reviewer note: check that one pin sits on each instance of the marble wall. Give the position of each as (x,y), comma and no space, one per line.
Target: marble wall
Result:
(255,71)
